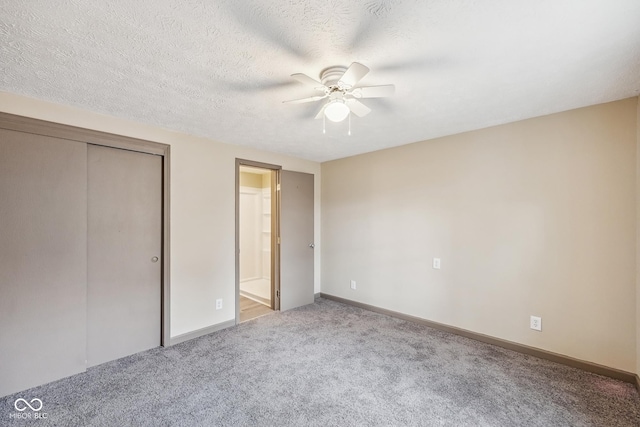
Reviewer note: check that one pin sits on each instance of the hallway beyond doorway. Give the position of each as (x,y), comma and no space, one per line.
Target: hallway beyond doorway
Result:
(258,290)
(250,309)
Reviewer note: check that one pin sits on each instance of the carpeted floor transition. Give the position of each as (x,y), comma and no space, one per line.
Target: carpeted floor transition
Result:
(328,364)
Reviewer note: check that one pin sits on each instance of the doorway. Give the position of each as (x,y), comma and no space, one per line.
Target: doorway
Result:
(257,234)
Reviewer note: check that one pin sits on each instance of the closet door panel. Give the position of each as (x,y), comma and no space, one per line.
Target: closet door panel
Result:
(124,253)
(43,259)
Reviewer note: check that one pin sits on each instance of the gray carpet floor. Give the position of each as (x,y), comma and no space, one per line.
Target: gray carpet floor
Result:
(328,364)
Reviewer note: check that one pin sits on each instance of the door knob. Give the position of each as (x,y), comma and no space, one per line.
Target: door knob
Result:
(154,259)
(311,245)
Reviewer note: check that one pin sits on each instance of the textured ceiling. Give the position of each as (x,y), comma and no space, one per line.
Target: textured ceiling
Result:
(220,69)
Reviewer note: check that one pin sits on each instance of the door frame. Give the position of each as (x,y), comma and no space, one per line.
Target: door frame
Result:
(88,136)
(275,231)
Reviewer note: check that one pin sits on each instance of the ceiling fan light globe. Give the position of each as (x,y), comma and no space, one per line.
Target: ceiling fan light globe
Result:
(336,111)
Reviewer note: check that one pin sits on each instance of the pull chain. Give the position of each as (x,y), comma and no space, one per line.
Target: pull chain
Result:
(349,123)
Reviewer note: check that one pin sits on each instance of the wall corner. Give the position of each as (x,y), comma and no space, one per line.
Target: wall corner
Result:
(638,236)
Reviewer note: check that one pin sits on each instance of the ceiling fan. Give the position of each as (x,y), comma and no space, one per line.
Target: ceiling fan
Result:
(338,84)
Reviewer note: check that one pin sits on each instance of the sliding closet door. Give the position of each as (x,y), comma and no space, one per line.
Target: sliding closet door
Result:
(124,253)
(43,263)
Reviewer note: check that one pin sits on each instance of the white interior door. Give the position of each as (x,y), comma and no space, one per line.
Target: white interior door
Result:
(297,246)
(124,253)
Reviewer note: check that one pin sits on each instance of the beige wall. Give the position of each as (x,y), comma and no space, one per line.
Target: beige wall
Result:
(530,218)
(202,208)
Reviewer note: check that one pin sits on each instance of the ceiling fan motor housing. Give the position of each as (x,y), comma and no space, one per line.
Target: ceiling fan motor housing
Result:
(330,76)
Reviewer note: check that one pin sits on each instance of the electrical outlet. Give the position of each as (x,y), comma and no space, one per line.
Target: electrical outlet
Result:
(353,285)
(218,304)
(436,263)
(535,323)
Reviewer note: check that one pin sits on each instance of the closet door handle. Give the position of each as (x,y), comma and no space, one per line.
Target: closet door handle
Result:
(311,245)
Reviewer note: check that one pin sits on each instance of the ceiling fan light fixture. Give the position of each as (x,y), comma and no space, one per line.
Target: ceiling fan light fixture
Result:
(336,110)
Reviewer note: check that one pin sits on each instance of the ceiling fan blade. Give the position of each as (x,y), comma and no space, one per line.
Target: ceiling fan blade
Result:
(357,107)
(321,112)
(303,100)
(373,91)
(306,80)
(353,75)
(255,85)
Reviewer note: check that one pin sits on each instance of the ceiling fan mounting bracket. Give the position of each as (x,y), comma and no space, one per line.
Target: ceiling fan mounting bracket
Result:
(330,75)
